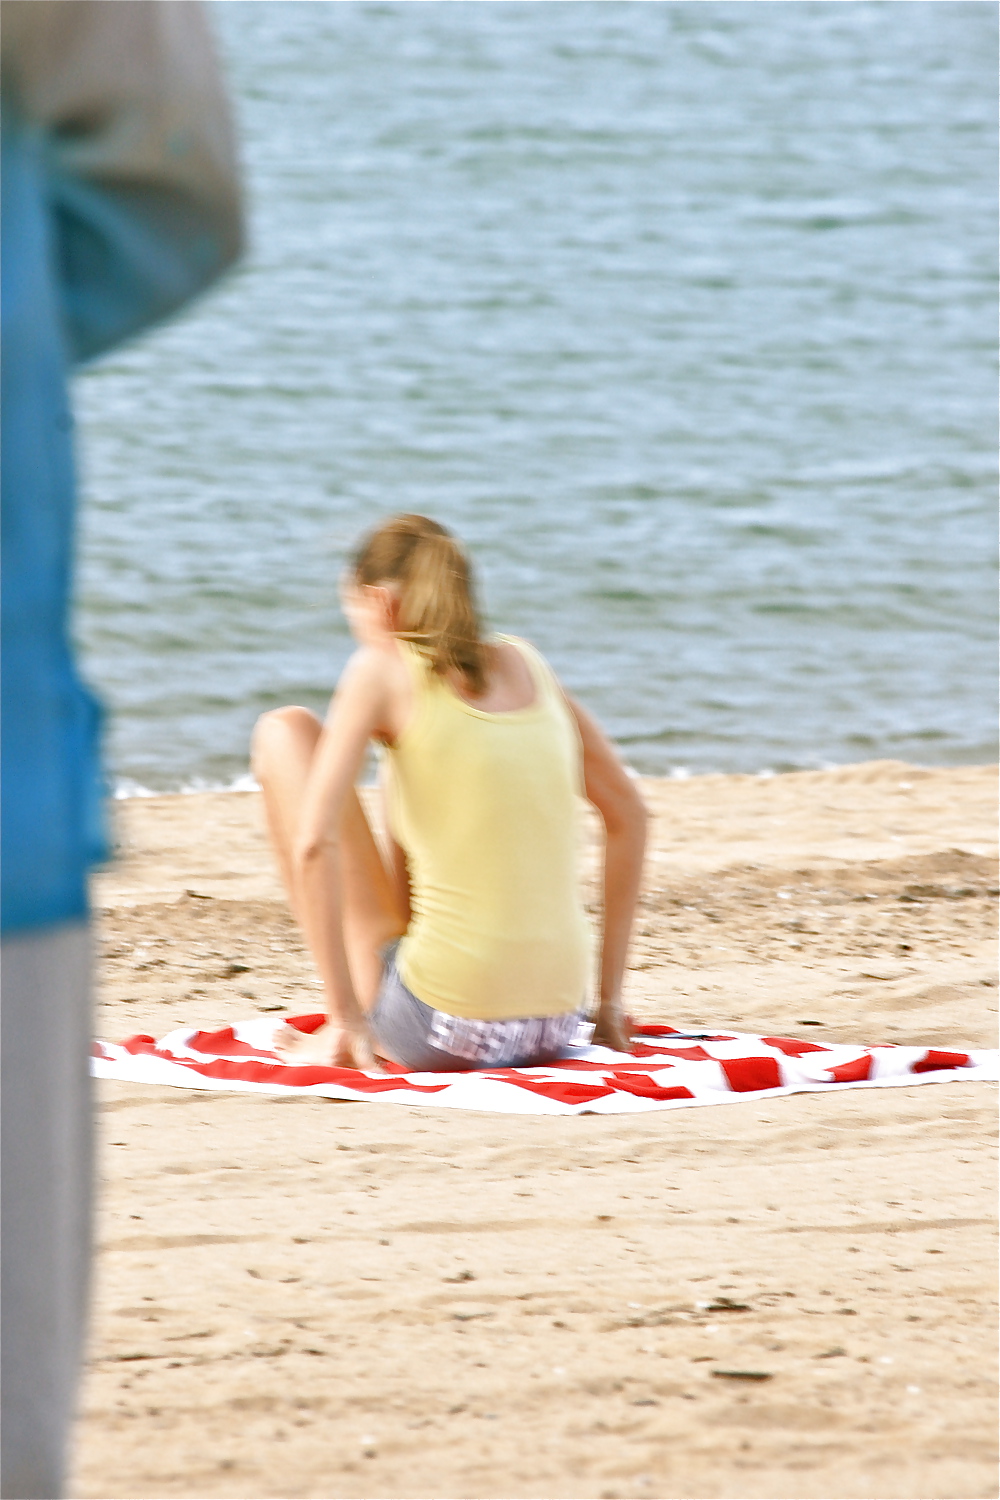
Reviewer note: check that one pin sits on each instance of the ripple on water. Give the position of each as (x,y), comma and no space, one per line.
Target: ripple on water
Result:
(676,313)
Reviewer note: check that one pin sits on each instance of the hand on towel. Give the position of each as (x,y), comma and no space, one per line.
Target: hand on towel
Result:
(612,1027)
(331,1046)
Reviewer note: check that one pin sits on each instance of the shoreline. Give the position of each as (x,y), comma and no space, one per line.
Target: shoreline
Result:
(127,789)
(864,811)
(303,1298)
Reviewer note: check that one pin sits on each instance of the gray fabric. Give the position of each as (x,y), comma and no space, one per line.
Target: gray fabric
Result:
(139,151)
(426,1040)
(46,1157)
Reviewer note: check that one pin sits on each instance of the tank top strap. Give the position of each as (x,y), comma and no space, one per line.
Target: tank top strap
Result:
(417,663)
(545,680)
(427,686)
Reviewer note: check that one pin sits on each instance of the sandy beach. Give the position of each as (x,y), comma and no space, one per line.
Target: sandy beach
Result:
(296,1297)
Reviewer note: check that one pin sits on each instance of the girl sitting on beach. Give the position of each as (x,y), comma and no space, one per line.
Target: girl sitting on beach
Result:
(470,947)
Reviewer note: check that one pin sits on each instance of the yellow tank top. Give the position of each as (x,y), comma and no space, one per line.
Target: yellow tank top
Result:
(484,804)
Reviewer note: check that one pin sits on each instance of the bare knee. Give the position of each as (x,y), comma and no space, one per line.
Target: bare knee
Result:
(280,732)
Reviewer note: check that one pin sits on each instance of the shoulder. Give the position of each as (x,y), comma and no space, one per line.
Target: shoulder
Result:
(538,663)
(523,648)
(375,692)
(371,671)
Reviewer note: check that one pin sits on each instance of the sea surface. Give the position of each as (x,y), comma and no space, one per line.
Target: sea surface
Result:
(683,315)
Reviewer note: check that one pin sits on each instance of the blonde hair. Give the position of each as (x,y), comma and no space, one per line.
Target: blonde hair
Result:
(437,606)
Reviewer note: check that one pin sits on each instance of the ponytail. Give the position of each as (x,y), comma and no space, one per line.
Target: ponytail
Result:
(437,608)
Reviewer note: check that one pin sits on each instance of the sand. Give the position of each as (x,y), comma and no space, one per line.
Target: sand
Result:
(308,1298)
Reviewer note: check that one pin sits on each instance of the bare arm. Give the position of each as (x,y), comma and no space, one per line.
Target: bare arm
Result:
(616,798)
(356,711)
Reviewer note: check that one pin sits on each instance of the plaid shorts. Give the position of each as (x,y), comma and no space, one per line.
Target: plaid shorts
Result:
(505,1044)
(427,1040)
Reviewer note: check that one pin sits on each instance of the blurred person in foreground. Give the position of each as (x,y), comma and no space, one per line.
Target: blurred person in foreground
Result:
(120,202)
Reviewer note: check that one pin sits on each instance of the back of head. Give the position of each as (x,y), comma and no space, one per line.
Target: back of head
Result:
(433,581)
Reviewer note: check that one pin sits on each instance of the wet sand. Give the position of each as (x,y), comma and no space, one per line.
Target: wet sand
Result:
(307,1298)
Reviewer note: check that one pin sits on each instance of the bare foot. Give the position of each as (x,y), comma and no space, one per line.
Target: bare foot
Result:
(330,1046)
(612,1028)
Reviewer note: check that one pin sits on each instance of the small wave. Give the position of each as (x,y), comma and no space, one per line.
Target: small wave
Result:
(125,787)
(684,773)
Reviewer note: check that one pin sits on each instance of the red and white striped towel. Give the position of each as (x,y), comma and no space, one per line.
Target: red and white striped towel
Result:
(668,1069)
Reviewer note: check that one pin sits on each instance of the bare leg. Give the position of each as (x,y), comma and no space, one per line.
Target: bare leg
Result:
(284,743)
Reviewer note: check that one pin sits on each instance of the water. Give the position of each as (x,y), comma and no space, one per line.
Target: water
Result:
(681,314)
